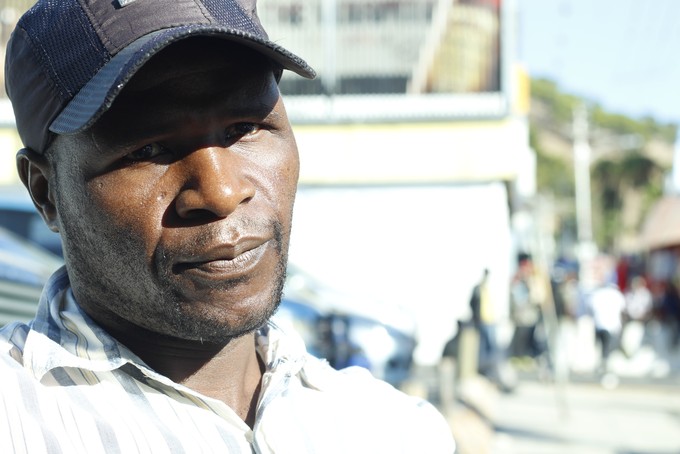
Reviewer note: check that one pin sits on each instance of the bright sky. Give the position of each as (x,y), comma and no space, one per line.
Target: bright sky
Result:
(624,54)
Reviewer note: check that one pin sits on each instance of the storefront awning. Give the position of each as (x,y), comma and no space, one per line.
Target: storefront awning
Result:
(662,226)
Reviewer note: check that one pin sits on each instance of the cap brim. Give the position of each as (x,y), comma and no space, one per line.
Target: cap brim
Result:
(98,94)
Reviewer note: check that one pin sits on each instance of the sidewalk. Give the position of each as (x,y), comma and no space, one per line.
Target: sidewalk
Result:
(584,418)
(469,407)
(471,416)
(581,417)
(636,413)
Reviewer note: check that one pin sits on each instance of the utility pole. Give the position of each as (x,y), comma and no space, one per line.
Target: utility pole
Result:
(581,144)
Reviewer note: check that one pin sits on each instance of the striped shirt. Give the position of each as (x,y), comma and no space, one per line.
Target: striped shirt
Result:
(66,386)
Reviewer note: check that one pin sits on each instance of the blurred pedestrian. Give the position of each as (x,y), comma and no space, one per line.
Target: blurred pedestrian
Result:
(527,294)
(670,312)
(639,303)
(639,300)
(484,320)
(607,305)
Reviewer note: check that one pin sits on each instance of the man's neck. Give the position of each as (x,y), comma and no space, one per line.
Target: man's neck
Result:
(230,372)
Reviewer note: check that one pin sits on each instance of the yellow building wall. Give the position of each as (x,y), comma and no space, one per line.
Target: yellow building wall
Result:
(411,153)
(9,144)
(408,153)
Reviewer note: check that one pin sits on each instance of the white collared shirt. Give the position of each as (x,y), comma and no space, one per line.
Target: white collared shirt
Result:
(66,386)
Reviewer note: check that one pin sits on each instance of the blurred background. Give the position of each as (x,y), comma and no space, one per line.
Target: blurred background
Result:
(487,215)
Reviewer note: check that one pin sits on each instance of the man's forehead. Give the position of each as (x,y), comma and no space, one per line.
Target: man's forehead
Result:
(158,100)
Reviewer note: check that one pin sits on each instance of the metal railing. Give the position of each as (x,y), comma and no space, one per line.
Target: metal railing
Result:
(392,60)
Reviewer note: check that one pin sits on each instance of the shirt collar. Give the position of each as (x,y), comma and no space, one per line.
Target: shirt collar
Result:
(63,335)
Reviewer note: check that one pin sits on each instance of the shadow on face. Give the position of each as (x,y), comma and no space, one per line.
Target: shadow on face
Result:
(175,208)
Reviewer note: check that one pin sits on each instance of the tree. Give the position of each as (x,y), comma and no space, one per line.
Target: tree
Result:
(612,181)
(623,177)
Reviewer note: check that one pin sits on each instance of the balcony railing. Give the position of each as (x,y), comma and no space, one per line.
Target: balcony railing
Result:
(380,60)
(392,60)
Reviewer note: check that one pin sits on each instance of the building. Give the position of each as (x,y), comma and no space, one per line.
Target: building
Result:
(414,150)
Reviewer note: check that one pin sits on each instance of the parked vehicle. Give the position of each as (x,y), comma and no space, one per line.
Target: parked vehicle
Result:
(24,269)
(18,215)
(303,318)
(336,329)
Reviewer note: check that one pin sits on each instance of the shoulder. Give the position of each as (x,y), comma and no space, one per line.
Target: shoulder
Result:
(12,370)
(308,401)
(364,404)
(18,385)
(13,339)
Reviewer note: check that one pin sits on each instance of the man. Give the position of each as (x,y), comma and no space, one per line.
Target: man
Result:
(484,321)
(607,305)
(157,144)
(527,295)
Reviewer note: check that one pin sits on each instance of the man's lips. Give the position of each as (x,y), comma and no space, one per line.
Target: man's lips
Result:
(225,261)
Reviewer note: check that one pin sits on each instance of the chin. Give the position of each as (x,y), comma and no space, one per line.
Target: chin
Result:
(218,323)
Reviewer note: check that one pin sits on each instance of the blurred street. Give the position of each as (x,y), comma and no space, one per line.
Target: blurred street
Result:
(634,408)
(635,417)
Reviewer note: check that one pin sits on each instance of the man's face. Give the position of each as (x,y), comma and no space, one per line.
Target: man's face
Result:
(175,208)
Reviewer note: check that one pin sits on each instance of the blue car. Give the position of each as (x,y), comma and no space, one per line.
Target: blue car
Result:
(334,329)
(19,216)
(24,269)
(345,339)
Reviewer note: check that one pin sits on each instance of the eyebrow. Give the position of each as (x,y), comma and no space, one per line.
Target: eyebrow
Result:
(260,110)
(105,140)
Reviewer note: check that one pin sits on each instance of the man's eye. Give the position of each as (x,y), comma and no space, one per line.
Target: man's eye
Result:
(149,151)
(238,130)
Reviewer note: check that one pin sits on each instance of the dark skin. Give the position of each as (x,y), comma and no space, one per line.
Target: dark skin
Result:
(175,212)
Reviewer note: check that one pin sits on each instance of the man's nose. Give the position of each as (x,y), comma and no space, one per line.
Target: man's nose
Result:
(215,183)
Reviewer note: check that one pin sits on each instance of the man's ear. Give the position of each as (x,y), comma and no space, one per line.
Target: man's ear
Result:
(36,174)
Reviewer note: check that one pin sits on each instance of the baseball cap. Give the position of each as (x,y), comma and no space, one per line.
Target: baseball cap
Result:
(67,60)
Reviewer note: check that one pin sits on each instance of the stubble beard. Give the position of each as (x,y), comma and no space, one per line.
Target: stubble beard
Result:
(161,308)
(185,322)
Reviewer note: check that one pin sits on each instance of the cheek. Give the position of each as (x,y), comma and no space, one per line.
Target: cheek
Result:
(282,180)
(127,204)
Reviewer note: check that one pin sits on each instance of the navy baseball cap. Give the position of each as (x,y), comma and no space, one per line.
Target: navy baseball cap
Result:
(67,60)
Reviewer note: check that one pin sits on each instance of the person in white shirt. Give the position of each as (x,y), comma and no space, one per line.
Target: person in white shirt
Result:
(639,300)
(607,305)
